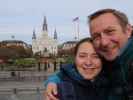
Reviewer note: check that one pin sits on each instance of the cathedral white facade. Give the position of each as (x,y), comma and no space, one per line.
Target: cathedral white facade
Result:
(45,45)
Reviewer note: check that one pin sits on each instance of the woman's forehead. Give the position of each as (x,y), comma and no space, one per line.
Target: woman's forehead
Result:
(86,46)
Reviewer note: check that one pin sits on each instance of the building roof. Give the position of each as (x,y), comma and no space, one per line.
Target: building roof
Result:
(70,42)
(12,41)
(15,42)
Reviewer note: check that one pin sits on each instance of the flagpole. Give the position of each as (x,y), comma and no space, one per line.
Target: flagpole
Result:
(78,30)
(75,31)
(76,24)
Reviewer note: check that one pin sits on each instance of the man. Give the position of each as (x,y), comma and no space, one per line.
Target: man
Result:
(111,35)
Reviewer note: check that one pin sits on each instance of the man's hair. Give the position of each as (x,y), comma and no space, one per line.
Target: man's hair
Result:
(121,17)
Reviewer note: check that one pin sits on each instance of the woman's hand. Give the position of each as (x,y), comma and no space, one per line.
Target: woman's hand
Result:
(51,92)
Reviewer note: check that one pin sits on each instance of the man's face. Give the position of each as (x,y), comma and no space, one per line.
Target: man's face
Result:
(108,35)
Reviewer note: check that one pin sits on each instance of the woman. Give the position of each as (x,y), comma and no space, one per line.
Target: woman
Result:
(83,80)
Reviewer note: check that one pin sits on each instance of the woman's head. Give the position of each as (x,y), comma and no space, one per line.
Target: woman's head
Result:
(87,61)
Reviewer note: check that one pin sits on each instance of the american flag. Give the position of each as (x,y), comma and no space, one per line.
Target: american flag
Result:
(75,19)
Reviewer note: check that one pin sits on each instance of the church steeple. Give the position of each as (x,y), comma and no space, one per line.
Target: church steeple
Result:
(44,27)
(34,34)
(55,35)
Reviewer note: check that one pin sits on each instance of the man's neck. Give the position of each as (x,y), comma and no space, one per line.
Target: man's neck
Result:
(124,47)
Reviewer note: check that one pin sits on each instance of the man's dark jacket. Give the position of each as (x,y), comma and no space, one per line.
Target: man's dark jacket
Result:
(120,72)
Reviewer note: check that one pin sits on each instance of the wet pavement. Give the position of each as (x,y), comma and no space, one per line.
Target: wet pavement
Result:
(21,90)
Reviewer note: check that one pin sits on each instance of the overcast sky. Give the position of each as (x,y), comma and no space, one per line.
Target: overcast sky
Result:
(20,17)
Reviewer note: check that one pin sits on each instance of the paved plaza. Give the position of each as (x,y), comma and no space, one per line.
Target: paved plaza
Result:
(25,86)
(11,90)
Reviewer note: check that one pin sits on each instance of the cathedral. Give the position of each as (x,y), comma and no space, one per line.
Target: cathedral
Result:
(45,45)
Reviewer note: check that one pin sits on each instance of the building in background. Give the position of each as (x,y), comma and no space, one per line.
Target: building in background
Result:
(44,45)
(67,48)
(8,43)
(12,49)
(69,44)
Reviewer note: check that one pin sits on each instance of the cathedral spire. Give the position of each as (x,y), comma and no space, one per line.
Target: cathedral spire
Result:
(55,35)
(44,27)
(34,34)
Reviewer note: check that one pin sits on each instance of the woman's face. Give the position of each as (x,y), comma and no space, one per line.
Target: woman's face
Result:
(87,61)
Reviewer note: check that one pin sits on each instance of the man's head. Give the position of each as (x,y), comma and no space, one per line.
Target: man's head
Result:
(110,31)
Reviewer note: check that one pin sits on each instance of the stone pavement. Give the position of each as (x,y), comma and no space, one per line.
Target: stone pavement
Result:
(7,85)
(23,90)
(22,97)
